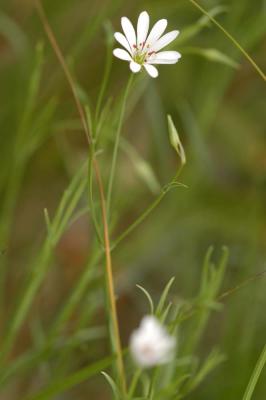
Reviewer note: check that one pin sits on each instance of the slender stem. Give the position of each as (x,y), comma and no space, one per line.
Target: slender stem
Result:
(256,374)
(148,210)
(90,195)
(116,145)
(241,285)
(138,221)
(194,309)
(230,37)
(153,383)
(110,282)
(134,382)
(109,273)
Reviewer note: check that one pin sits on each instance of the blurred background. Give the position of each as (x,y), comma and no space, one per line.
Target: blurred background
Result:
(217,101)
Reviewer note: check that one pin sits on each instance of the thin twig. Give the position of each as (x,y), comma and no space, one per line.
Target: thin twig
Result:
(194,309)
(230,37)
(241,285)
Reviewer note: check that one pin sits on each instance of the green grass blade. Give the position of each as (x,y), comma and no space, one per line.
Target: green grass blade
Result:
(38,271)
(148,296)
(255,376)
(163,298)
(70,381)
(230,37)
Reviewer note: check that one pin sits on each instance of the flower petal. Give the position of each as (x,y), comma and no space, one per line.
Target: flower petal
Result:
(143,27)
(152,71)
(156,31)
(122,54)
(129,31)
(165,40)
(165,57)
(135,67)
(123,41)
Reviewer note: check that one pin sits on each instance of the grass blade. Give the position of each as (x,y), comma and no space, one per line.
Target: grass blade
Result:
(255,376)
(66,383)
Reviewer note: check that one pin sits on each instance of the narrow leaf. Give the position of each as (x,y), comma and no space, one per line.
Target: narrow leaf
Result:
(148,297)
(163,298)
(255,376)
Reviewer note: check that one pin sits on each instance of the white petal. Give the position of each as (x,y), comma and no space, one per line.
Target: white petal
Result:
(165,40)
(165,57)
(152,71)
(123,41)
(122,54)
(151,344)
(143,27)
(156,31)
(135,67)
(129,31)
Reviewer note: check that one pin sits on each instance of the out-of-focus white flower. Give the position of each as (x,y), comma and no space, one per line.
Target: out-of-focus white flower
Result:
(151,344)
(143,50)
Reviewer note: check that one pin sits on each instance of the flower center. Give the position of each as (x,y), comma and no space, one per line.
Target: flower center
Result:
(141,53)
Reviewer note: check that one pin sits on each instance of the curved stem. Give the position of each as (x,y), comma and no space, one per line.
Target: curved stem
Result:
(230,37)
(255,375)
(149,209)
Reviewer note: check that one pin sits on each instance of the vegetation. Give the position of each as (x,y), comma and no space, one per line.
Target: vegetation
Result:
(123,195)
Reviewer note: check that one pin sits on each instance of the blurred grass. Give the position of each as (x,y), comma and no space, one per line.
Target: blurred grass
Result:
(220,116)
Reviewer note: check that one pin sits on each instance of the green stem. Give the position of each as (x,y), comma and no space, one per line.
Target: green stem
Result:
(116,145)
(141,218)
(148,210)
(90,195)
(153,383)
(256,374)
(134,383)
(230,37)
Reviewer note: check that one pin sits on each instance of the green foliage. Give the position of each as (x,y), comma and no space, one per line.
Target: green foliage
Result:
(53,313)
(255,376)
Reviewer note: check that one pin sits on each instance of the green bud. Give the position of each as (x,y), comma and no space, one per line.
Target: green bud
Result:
(175,140)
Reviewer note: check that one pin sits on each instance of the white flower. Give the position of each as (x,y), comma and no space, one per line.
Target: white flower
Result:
(151,344)
(143,50)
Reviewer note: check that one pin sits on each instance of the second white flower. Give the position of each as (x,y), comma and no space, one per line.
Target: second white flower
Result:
(151,344)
